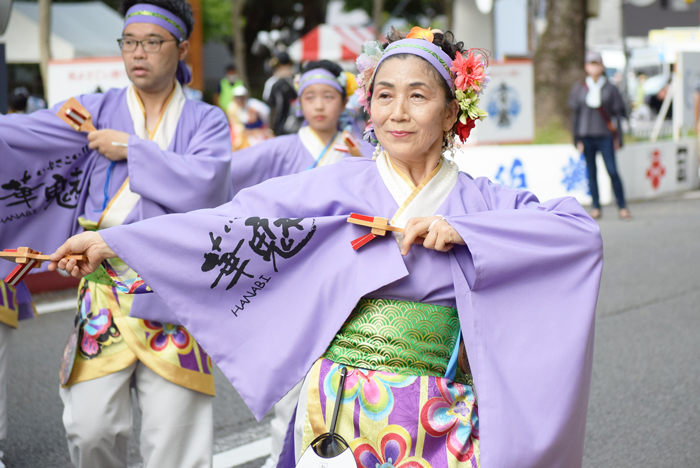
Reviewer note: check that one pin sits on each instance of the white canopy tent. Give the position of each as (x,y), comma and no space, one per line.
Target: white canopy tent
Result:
(78,30)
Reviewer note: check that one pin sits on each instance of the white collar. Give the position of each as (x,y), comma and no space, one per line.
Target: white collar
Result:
(419,201)
(316,147)
(168,122)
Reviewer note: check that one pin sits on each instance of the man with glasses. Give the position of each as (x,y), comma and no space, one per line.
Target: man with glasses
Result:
(153,152)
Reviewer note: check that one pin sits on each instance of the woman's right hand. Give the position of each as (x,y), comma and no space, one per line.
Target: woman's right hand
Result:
(89,244)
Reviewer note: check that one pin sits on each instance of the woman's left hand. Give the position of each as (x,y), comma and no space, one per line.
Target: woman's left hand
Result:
(88,243)
(442,236)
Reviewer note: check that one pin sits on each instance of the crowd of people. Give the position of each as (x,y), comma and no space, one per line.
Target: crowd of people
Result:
(419,337)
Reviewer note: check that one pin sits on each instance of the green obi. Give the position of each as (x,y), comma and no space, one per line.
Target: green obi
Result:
(398,336)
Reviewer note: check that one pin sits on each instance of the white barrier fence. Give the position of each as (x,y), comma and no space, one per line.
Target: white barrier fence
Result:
(648,170)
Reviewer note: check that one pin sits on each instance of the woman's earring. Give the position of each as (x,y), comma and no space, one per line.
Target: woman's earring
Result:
(448,145)
(377,151)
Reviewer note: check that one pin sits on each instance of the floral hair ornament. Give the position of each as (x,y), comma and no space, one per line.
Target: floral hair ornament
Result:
(470,80)
(466,75)
(419,33)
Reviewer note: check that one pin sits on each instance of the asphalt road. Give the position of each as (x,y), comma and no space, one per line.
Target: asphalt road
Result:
(645,397)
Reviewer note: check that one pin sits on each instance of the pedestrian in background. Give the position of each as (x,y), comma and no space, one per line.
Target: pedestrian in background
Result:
(230,81)
(280,95)
(598,108)
(17,101)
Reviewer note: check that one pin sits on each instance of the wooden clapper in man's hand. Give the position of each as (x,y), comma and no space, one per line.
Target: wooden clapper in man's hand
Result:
(74,114)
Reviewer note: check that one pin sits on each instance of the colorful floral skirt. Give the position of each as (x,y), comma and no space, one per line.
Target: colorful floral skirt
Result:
(394,419)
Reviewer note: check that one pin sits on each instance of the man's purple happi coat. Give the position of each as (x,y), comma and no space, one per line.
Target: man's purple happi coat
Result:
(525,287)
(41,153)
(279,156)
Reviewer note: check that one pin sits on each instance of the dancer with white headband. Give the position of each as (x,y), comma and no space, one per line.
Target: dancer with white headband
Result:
(453,327)
(323,89)
(153,152)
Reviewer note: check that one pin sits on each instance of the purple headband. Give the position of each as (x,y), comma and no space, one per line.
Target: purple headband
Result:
(319,76)
(424,49)
(146,13)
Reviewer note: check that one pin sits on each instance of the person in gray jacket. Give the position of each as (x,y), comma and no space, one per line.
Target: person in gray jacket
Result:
(597,109)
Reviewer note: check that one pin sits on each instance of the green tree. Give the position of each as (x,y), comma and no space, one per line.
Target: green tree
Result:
(559,60)
(45,42)
(216,20)
(411,10)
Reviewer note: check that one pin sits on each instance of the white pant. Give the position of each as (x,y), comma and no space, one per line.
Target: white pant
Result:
(5,333)
(284,410)
(177,424)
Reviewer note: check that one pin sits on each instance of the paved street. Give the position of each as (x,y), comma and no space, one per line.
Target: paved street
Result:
(645,403)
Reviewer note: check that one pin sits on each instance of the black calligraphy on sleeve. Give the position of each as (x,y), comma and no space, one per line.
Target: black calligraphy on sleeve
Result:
(271,240)
(66,192)
(22,191)
(55,182)
(267,245)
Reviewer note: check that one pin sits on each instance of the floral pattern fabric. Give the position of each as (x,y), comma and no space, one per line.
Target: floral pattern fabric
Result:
(97,330)
(453,414)
(393,449)
(165,334)
(393,420)
(372,389)
(109,340)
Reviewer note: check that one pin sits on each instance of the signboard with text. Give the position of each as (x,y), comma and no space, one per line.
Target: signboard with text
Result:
(68,78)
(648,170)
(548,171)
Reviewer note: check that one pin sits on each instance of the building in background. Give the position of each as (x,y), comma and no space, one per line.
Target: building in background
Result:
(78,30)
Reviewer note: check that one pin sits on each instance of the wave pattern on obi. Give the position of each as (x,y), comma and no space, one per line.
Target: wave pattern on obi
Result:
(397,336)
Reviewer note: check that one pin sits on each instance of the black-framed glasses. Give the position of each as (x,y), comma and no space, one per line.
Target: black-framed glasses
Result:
(149,45)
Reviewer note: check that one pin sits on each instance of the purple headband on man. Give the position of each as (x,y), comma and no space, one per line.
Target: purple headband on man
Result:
(424,49)
(146,13)
(320,76)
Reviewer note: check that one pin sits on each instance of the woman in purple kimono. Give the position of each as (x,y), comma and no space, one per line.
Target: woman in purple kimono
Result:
(323,90)
(292,290)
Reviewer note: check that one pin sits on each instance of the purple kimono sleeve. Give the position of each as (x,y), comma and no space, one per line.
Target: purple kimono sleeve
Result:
(29,135)
(262,283)
(279,156)
(526,287)
(44,168)
(194,179)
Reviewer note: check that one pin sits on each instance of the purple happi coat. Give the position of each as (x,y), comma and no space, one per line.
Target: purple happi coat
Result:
(279,156)
(265,282)
(49,177)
